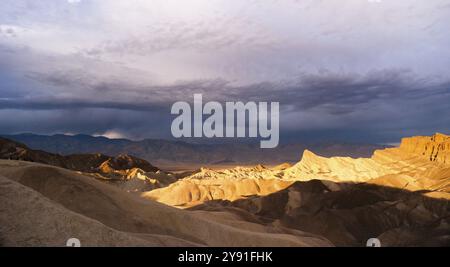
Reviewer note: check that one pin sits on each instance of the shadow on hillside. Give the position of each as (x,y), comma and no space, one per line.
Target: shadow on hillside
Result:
(348,214)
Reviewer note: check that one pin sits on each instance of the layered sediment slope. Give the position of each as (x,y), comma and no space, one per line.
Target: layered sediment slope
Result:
(400,195)
(349,214)
(420,163)
(45,206)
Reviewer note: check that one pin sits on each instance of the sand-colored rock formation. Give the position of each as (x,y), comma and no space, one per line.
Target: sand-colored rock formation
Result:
(400,195)
(420,163)
(138,181)
(44,206)
(230,184)
(349,214)
(436,147)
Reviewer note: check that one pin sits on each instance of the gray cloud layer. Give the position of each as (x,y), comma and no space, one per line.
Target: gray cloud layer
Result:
(355,70)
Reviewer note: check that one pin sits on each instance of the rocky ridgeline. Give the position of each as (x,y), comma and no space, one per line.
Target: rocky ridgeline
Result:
(112,167)
(416,165)
(435,148)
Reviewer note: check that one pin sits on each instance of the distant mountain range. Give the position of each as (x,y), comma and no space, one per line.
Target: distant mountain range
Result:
(164,152)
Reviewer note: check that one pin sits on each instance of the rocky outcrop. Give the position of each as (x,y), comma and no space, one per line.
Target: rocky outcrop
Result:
(126,162)
(111,167)
(420,163)
(349,214)
(435,148)
(399,195)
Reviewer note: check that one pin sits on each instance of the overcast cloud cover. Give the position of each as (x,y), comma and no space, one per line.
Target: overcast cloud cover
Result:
(354,70)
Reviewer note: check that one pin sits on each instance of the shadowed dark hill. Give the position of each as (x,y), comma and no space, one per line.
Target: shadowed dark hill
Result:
(348,214)
(90,163)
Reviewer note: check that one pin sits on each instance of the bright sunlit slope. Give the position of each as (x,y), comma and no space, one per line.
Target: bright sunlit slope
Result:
(44,205)
(420,163)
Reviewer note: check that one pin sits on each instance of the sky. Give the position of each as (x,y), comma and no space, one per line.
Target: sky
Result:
(356,70)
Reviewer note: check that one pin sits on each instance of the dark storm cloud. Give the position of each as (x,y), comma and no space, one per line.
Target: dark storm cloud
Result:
(70,104)
(353,70)
(339,93)
(389,100)
(342,93)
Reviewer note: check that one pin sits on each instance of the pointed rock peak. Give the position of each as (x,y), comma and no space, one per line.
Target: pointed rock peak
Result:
(308,154)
